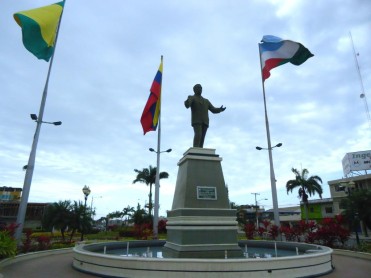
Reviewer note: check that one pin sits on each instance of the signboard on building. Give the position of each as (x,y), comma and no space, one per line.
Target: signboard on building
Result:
(206,193)
(10,193)
(357,161)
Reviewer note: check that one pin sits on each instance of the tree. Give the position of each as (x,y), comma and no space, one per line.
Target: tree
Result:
(148,176)
(64,214)
(357,204)
(115,214)
(57,215)
(80,219)
(140,216)
(128,211)
(306,186)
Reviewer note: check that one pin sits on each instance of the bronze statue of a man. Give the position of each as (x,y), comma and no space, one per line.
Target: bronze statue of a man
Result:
(200,116)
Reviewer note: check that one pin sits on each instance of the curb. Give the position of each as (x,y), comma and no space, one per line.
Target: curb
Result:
(33,255)
(348,253)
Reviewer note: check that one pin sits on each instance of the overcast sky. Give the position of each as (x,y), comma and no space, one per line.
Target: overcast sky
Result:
(107,56)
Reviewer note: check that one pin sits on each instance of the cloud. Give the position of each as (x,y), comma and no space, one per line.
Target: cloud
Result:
(106,58)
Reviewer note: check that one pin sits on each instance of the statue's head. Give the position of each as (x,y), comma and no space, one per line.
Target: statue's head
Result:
(197,89)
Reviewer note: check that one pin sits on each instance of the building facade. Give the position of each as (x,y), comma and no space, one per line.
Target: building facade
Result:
(318,209)
(9,203)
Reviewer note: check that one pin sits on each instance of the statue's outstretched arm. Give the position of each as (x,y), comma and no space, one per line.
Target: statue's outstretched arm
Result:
(188,102)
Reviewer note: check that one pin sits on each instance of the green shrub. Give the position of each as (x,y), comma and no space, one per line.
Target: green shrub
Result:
(127,232)
(56,235)
(106,235)
(365,247)
(62,244)
(8,245)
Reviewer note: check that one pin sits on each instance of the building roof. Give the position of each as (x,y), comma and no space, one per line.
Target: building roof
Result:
(319,201)
(11,189)
(286,209)
(354,178)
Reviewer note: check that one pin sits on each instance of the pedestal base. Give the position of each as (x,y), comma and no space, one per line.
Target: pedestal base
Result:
(201,223)
(202,233)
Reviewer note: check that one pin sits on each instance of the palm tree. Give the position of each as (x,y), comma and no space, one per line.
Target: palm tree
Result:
(58,215)
(306,186)
(139,215)
(65,214)
(80,218)
(128,211)
(148,176)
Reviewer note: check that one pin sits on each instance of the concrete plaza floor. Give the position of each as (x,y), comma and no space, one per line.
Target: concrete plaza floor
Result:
(59,265)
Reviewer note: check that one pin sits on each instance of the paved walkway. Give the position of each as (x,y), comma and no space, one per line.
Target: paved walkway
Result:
(60,266)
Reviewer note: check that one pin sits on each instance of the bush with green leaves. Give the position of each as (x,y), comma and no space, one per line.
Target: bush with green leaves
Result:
(8,245)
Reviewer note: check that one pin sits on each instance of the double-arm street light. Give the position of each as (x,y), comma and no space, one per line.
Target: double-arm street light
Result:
(86,190)
(273,181)
(157,191)
(276,146)
(34,117)
(29,173)
(153,150)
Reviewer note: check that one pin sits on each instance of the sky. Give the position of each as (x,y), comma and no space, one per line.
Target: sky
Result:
(106,58)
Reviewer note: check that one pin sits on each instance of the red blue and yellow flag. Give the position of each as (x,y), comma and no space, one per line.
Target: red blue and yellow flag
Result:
(151,112)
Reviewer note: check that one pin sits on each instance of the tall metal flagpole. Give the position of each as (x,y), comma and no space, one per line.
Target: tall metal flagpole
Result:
(31,161)
(157,182)
(272,176)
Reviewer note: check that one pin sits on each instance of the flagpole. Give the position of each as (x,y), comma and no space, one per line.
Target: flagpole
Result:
(157,182)
(31,161)
(272,176)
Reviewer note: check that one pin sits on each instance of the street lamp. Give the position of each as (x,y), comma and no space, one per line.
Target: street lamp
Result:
(256,208)
(86,190)
(34,117)
(157,190)
(167,151)
(273,178)
(276,146)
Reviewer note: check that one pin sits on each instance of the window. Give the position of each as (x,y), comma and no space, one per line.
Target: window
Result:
(339,187)
(328,210)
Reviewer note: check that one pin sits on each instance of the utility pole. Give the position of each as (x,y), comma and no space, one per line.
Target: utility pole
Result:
(256,210)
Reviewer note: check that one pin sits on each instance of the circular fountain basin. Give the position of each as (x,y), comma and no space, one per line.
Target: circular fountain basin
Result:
(144,259)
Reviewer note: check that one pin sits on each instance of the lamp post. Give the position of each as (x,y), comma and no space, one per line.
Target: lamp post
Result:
(29,173)
(86,190)
(273,182)
(350,186)
(91,205)
(256,209)
(157,191)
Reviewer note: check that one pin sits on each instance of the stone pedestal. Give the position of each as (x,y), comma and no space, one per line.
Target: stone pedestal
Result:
(201,223)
